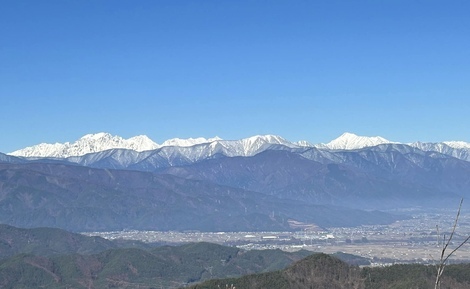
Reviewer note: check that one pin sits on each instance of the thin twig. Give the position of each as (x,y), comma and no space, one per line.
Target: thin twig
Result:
(445,244)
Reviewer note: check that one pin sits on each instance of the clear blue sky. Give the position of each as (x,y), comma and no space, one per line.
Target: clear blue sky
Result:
(305,70)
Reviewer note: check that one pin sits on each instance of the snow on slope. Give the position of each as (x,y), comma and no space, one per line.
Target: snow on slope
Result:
(458,144)
(303,143)
(350,141)
(441,147)
(457,149)
(252,145)
(178,142)
(89,143)
(92,143)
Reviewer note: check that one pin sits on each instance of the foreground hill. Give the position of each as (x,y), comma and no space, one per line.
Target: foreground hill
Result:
(326,272)
(162,267)
(315,271)
(179,266)
(54,258)
(48,241)
(52,241)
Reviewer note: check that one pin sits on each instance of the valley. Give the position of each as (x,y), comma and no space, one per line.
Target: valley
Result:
(406,241)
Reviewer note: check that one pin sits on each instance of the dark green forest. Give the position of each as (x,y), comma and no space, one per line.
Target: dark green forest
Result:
(321,271)
(54,258)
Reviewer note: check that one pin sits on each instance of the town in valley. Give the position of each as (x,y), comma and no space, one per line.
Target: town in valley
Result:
(414,240)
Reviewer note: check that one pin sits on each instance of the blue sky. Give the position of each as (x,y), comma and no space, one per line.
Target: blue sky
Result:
(305,70)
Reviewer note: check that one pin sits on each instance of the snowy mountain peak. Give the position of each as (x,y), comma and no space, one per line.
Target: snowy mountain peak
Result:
(349,141)
(255,144)
(303,143)
(259,140)
(189,141)
(269,138)
(458,144)
(89,143)
(141,143)
(97,136)
(93,143)
(141,138)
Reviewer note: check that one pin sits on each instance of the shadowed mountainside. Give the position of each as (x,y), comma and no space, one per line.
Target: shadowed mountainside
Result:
(79,198)
(358,178)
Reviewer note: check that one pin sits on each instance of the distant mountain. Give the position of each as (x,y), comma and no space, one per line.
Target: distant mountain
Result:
(167,156)
(350,141)
(178,142)
(363,178)
(89,143)
(386,175)
(105,150)
(460,150)
(257,183)
(79,198)
(93,143)
(174,156)
(10,159)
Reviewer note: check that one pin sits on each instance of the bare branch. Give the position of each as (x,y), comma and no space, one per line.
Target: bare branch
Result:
(445,244)
(458,247)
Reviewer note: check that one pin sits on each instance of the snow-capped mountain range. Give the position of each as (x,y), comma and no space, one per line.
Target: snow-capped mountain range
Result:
(93,143)
(89,143)
(99,142)
(348,171)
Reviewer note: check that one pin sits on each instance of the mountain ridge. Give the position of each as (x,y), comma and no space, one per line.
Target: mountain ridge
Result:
(249,179)
(99,142)
(79,198)
(93,143)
